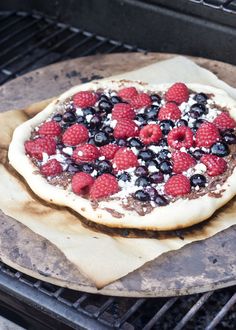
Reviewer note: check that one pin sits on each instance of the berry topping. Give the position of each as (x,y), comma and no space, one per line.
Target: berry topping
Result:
(104,166)
(84,99)
(223,121)
(142,181)
(151,112)
(37,147)
(220,149)
(169,111)
(51,168)
(141,171)
(155,98)
(85,153)
(50,128)
(128,93)
(160,200)
(101,138)
(125,128)
(214,164)
(180,137)
(156,177)
(69,117)
(166,126)
(140,100)
(57,117)
(124,159)
(87,167)
(182,122)
(124,177)
(150,133)
(141,196)
(197,110)
(75,134)
(81,183)
(200,98)
(104,186)
(116,99)
(166,167)
(206,135)
(229,138)
(105,106)
(135,143)
(177,93)
(122,111)
(177,185)
(182,161)
(109,150)
(197,153)
(198,180)
(146,154)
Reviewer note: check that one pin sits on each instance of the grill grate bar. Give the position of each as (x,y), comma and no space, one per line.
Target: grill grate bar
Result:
(222,313)
(6,17)
(160,313)
(93,48)
(104,307)
(132,310)
(113,48)
(10,24)
(80,300)
(193,311)
(74,47)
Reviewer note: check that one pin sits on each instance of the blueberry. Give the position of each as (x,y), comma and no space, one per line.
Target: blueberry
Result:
(161,200)
(69,117)
(200,98)
(152,163)
(156,177)
(124,177)
(151,112)
(142,181)
(60,146)
(229,138)
(73,168)
(141,118)
(107,129)
(197,110)
(198,153)
(104,166)
(81,120)
(101,138)
(103,97)
(181,122)
(166,126)
(121,142)
(87,168)
(166,167)
(57,117)
(163,143)
(105,106)
(146,155)
(220,149)
(141,171)
(142,196)
(152,192)
(91,140)
(198,180)
(115,99)
(197,123)
(155,98)
(163,155)
(136,143)
(88,111)
(95,122)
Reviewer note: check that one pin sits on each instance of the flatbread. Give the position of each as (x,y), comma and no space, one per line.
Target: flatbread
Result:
(182,213)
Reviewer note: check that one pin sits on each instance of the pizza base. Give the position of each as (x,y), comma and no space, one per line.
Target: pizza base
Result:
(179,214)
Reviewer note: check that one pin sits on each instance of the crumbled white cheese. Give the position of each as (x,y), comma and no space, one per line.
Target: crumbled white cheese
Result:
(79,112)
(68,150)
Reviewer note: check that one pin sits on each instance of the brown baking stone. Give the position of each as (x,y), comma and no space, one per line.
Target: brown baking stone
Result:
(197,267)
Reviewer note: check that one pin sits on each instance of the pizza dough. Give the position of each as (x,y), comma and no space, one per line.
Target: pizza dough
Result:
(180,213)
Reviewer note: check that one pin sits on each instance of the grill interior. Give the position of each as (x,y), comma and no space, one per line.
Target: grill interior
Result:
(29,41)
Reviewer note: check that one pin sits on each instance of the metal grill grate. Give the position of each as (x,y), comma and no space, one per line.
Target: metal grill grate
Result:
(37,42)
(224,5)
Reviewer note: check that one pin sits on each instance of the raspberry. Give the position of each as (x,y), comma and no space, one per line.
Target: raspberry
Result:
(180,137)
(207,134)
(177,185)
(51,168)
(109,150)
(125,128)
(140,100)
(50,128)
(127,93)
(177,93)
(35,148)
(224,121)
(122,111)
(214,164)
(150,133)
(75,134)
(84,99)
(85,153)
(182,161)
(81,183)
(124,159)
(169,111)
(104,186)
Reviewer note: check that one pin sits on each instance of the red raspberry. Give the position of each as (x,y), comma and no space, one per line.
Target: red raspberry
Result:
(109,150)
(150,133)
(215,165)
(104,186)
(182,161)
(140,100)
(75,134)
(206,135)
(124,159)
(177,185)
(224,121)
(122,111)
(127,93)
(50,128)
(85,153)
(84,99)
(169,111)
(81,183)
(35,148)
(125,128)
(51,168)
(180,137)
(177,93)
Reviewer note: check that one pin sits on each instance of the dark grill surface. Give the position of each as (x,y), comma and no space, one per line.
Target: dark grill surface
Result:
(28,42)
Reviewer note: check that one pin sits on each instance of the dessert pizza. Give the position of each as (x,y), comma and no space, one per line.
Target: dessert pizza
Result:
(133,155)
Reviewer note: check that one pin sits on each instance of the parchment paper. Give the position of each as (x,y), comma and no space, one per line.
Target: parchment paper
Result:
(102,258)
